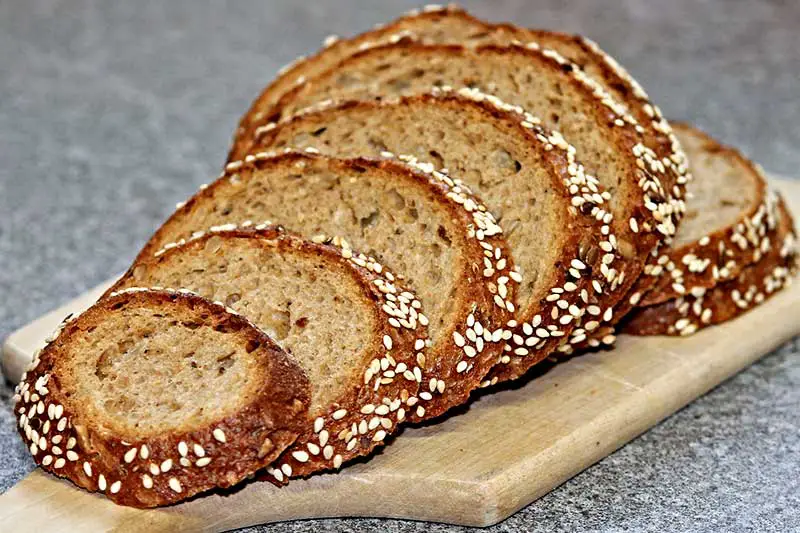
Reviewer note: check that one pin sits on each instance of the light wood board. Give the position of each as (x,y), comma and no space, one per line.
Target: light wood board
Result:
(478,466)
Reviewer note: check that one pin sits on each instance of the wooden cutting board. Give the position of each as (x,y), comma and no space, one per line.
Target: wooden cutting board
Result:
(475,468)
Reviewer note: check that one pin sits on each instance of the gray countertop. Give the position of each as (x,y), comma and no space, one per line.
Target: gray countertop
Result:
(111,111)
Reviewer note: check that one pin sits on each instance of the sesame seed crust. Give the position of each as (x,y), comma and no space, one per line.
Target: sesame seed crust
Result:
(66,441)
(486,278)
(548,324)
(723,253)
(703,307)
(380,396)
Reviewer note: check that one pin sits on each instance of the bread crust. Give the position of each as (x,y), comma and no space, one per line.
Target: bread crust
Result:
(486,298)
(64,442)
(724,301)
(720,255)
(577,294)
(382,393)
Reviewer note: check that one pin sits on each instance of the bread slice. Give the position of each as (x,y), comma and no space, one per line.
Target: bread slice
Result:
(452,25)
(357,333)
(725,301)
(553,213)
(151,397)
(730,217)
(449,249)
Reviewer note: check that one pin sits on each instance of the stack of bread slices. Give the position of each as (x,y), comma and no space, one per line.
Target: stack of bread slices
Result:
(430,207)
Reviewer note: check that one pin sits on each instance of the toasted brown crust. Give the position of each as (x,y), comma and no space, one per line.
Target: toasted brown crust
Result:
(720,255)
(577,294)
(481,300)
(713,259)
(131,473)
(383,391)
(727,300)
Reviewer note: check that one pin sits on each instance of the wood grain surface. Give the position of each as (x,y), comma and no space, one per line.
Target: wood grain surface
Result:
(476,467)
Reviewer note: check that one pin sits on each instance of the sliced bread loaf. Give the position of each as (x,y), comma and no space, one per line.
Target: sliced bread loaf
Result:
(730,217)
(151,397)
(724,301)
(553,213)
(449,249)
(359,335)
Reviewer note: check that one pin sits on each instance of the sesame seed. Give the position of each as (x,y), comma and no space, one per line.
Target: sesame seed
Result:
(101,482)
(130,455)
(166,466)
(219,435)
(144,451)
(300,455)
(183,449)
(198,450)
(115,487)
(203,461)
(72,456)
(337,461)
(387,342)
(147,481)
(338,415)
(87,468)
(175,485)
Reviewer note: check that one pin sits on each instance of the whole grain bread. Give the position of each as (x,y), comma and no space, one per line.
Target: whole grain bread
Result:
(359,335)
(730,217)
(428,227)
(553,213)
(727,300)
(151,397)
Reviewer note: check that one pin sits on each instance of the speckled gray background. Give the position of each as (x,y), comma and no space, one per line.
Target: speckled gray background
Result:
(111,111)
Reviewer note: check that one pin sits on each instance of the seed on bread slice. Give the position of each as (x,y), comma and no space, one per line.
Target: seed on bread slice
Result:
(358,334)
(730,216)
(424,224)
(553,213)
(151,397)
(724,301)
